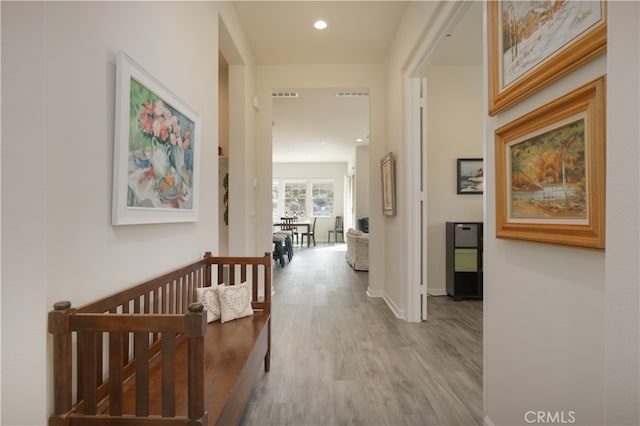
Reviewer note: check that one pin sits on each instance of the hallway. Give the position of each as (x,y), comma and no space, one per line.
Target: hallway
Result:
(339,357)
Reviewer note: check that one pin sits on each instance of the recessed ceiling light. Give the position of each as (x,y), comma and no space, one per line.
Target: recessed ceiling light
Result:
(359,140)
(320,25)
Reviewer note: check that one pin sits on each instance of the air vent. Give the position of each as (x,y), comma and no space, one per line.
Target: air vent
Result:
(352,94)
(285,94)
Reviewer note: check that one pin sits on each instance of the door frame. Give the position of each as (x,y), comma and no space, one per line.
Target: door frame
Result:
(445,18)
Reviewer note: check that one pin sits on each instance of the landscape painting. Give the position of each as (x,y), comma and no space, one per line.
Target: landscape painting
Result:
(550,171)
(548,175)
(535,30)
(387,167)
(532,43)
(470,176)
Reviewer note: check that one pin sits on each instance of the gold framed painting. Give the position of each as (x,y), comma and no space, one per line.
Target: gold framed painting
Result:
(533,43)
(550,172)
(387,169)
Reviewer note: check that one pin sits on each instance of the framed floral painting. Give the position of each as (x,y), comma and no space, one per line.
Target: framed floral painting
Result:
(156,151)
(550,172)
(533,43)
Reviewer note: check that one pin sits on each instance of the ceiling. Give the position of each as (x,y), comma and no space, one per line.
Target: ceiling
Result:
(281,32)
(318,126)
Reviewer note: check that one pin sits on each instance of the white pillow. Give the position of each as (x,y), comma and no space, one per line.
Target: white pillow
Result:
(209,298)
(235,301)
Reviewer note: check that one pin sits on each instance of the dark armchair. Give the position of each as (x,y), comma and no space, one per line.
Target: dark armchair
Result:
(363,225)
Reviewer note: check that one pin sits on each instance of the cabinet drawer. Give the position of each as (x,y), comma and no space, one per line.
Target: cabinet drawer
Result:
(466,260)
(466,235)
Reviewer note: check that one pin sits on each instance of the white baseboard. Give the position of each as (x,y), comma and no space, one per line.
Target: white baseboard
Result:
(437,292)
(399,313)
(374,293)
(488,422)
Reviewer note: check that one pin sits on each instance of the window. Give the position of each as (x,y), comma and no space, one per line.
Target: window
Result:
(275,190)
(322,198)
(303,197)
(295,198)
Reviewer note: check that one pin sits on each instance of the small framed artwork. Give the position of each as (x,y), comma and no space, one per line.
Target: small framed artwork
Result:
(156,151)
(533,43)
(388,184)
(470,176)
(550,172)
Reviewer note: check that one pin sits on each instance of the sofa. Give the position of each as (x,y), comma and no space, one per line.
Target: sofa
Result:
(357,250)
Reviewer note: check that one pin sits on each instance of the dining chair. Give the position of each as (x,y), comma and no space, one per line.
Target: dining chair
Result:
(293,230)
(311,235)
(337,229)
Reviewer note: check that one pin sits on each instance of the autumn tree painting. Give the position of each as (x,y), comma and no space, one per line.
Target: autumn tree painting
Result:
(550,171)
(548,174)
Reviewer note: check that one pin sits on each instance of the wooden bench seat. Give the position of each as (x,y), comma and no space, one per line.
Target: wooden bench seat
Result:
(234,351)
(146,355)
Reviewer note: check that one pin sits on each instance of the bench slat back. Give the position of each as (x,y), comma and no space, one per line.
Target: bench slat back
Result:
(116,337)
(256,270)
(168,294)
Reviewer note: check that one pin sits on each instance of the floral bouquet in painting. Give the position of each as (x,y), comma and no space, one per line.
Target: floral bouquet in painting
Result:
(160,151)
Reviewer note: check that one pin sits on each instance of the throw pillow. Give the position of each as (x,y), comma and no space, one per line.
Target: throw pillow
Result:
(235,301)
(209,298)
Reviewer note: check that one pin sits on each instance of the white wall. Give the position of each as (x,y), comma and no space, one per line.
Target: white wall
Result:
(561,324)
(335,171)
(622,286)
(363,183)
(0,231)
(454,130)
(23,218)
(243,185)
(58,84)
(392,232)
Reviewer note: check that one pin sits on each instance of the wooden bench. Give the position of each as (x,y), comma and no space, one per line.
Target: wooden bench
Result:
(146,355)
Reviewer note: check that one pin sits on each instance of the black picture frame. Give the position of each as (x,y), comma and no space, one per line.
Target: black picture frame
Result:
(470,176)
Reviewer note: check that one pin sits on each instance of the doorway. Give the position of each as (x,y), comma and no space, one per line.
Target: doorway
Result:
(444,89)
(320,140)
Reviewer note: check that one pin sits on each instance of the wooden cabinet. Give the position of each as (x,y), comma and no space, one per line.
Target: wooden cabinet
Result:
(464,259)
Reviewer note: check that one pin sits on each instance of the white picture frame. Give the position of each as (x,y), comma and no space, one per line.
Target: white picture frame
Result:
(156,167)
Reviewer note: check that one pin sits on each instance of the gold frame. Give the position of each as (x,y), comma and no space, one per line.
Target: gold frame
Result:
(388,172)
(589,101)
(572,55)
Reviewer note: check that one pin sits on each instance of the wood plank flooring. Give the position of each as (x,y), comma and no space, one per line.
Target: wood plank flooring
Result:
(339,357)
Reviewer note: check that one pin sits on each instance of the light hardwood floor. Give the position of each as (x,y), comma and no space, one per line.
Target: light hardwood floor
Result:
(339,357)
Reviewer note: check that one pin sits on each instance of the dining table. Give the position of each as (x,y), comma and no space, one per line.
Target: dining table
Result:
(303,224)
